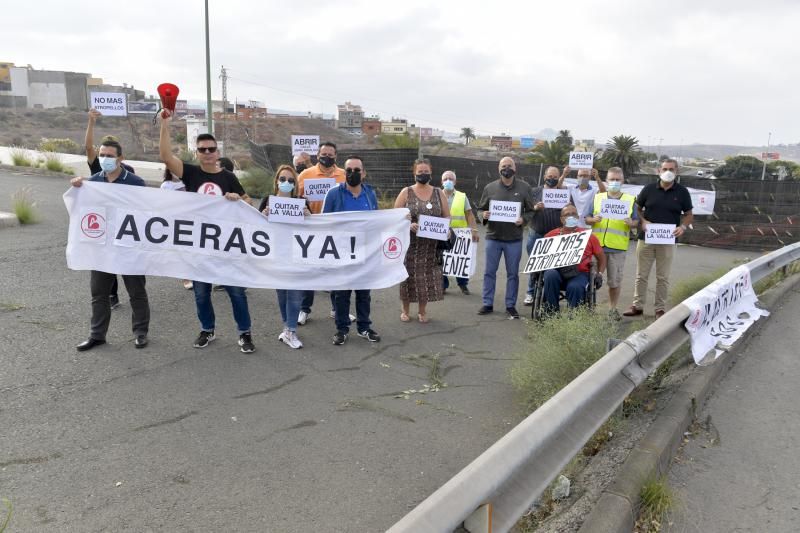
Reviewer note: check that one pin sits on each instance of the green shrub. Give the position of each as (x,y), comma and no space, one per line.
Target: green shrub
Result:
(20,157)
(558,350)
(187,157)
(66,146)
(52,161)
(257,182)
(180,137)
(657,499)
(386,201)
(24,206)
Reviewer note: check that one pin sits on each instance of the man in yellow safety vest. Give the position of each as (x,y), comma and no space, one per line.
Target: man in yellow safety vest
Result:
(613,216)
(461,216)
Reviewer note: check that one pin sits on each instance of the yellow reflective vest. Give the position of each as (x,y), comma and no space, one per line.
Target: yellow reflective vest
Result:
(612,233)
(458,218)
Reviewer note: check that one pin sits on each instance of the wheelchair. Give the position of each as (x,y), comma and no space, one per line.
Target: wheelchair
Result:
(589,300)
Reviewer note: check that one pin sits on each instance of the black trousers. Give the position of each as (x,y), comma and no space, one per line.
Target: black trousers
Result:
(101,284)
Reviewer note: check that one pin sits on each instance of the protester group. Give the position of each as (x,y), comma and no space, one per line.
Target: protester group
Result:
(662,202)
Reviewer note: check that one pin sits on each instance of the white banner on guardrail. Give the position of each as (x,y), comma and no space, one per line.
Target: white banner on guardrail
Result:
(721,312)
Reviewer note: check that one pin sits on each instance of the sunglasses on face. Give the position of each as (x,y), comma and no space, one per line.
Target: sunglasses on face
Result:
(284,178)
(206,149)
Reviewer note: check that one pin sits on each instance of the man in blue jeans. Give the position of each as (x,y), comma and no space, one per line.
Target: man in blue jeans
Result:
(504,238)
(352,195)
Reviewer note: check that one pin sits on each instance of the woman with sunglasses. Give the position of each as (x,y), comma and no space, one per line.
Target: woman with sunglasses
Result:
(288,300)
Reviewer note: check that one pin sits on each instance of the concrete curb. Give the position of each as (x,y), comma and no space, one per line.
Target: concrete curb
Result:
(617,507)
(8,220)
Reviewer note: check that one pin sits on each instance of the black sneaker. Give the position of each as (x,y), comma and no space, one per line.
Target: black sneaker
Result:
(464,290)
(370,335)
(340,338)
(203,339)
(246,342)
(114,301)
(485,310)
(512,313)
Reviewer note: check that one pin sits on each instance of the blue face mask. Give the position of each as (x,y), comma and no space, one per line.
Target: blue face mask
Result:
(108,164)
(286,186)
(448,185)
(614,186)
(571,222)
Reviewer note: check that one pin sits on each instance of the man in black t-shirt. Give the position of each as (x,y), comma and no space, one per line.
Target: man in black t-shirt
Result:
(663,202)
(209,179)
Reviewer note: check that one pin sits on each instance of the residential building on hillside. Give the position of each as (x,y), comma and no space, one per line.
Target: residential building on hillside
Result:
(396,126)
(371,126)
(351,117)
(502,142)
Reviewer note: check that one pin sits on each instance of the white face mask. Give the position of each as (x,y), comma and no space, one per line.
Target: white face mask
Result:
(667,176)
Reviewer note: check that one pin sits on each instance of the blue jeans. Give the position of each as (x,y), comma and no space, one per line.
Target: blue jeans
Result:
(289,303)
(512,250)
(308,301)
(553,282)
(532,238)
(341,303)
(205,311)
(462,282)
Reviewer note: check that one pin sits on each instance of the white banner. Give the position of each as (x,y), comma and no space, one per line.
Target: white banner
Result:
(110,104)
(460,261)
(721,313)
(140,230)
(436,228)
(702,201)
(305,143)
(556,252)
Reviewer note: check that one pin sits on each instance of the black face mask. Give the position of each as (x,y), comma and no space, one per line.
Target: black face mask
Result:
(300,168)
(551,182)
(327,161)
(353,177)
(508,173)
(423,178)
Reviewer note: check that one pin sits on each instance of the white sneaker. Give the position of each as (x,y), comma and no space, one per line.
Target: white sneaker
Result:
(302,318)
(352,316)
(289,338)
(528,300)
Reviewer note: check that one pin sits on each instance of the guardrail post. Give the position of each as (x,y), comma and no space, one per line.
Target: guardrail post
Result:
(480,521)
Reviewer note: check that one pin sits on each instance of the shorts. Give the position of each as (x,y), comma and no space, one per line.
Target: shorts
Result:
(615,266)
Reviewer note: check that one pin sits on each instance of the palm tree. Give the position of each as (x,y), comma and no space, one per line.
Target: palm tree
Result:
(565,138)
(550,153)
(468,134)
(623,151)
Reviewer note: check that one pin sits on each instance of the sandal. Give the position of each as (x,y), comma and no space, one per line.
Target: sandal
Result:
(422,318)
(404,317)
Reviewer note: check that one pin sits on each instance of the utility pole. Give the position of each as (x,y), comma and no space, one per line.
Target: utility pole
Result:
(766,156)
(253,114)
(224,76)
(210,117)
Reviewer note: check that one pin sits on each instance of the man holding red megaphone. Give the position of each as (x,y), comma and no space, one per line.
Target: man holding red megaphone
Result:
(209,179)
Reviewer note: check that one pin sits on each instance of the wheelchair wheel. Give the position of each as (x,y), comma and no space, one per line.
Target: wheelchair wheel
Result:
(538,295)
(591,290)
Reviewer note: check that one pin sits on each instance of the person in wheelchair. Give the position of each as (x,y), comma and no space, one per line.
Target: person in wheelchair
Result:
(572,279)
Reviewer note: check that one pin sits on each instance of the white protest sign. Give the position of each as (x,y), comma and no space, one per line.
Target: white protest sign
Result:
(460,261)
(433,228)
(110,104)
(579,160)
(555,198)
(288,210)
(305,143)
(207,238)
(556,252)
(659,233)
(501,211)
(721,312)
(315,190)
(614,209)
(702,201)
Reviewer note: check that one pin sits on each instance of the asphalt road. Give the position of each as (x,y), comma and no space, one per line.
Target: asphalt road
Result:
(739,470)
(171,438)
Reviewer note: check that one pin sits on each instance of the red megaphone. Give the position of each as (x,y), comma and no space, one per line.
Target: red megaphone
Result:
(169,96)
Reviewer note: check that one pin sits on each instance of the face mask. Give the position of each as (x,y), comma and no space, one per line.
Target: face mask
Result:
(551,182)
(353,178)
(299,168)
(448,185)
(423,178)
(571,222)
(109,164)
(584,182)
(667,176)
(327,161)
(614,186)
(508,173)
(286,186)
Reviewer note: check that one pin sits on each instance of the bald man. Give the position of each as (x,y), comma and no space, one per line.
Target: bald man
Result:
(504,238)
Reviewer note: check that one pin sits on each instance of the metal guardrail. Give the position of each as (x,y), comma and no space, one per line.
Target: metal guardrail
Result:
(504,481)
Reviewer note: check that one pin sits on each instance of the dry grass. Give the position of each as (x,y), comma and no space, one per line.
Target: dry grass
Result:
(24,206)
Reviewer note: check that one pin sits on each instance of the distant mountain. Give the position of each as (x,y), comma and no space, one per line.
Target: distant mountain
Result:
(721,151)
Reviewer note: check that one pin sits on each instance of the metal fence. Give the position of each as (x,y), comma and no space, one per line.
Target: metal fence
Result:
(504,481)
(751,215)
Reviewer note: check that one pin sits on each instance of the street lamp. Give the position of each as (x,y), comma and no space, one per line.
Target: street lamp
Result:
(209,116)
(765,157)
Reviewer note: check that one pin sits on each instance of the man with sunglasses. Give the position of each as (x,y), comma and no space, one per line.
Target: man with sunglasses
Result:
(209,179)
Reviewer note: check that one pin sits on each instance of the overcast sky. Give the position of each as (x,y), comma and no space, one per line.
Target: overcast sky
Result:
(710,71)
